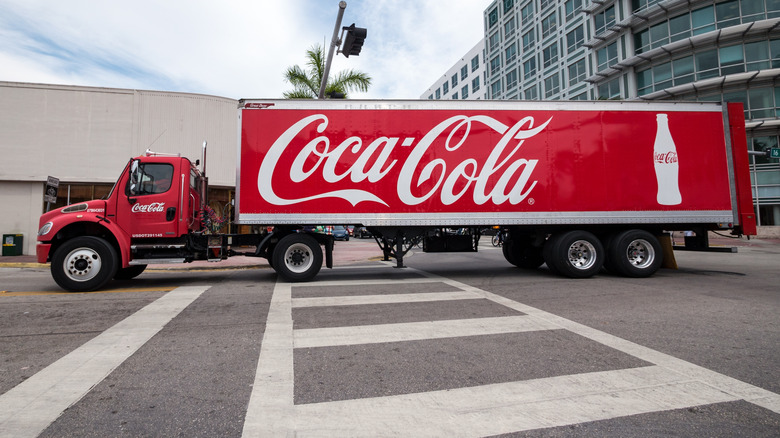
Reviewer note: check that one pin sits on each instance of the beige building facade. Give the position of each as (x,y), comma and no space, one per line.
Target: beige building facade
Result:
(84,136)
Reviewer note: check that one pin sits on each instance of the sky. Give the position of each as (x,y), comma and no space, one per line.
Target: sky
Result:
(230,48)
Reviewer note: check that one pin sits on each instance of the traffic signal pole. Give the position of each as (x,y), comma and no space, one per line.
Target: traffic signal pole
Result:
(334,42)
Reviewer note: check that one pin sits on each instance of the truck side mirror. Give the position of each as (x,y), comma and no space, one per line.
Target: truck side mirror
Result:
(135,178)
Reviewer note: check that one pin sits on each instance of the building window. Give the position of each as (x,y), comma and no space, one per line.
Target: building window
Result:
(464,72)
(464,92)
(475,84)
(474,63)
(529,40)
(531,93)
(495,65)
(577,72)
(549,24)
(552,86)
(581,96)
(529,69)
(526,14)
(683,70)
(438,94)
(509,28)
(609,90)
(606,56)
(430,97)
(454,80)
(445,88)
(511,79)
(604,20)
(572,8)
(493,41)
(510,53)
(575,39)
(732,60)
(550,55)
(703,20)
(455,96)
(495,89)
(706,64)
(492,17)
(543,4)
(508,5)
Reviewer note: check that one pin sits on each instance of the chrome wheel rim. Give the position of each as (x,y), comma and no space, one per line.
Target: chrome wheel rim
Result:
(582,254)
(640,253)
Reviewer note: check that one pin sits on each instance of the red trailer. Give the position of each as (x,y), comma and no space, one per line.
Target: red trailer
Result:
(575,185)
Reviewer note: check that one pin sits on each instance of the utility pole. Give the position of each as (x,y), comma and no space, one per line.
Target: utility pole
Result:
(334,42)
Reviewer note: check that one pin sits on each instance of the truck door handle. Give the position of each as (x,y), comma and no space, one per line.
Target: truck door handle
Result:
(170,214)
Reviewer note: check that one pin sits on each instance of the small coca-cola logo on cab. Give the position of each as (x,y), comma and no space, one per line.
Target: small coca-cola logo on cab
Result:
(154,207)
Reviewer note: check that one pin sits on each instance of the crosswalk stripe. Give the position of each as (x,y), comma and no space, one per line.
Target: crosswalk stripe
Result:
(383,299)
(508,407)
(28,408)
(415,331)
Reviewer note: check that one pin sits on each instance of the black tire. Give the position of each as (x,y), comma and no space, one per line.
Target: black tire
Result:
(129,272)
(84,264)
(297,257)
(522,254)
(634,253)
(574,254)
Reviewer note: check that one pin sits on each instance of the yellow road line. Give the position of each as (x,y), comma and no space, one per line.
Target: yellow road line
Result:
(5,293)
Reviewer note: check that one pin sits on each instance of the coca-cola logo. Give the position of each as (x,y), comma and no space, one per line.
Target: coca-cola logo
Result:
(154,207)
(503,176)
(666,158)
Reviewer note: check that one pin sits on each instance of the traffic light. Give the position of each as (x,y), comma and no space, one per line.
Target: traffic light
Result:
(353,42)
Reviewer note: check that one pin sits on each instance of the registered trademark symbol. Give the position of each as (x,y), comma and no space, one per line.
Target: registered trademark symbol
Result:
(531,201)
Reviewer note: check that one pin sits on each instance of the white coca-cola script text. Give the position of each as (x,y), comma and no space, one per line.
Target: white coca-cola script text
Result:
(373,163)
(154,207)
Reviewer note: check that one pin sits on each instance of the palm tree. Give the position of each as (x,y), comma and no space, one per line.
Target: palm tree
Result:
(307,83)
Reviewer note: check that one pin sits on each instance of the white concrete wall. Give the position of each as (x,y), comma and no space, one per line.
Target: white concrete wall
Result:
(22,203)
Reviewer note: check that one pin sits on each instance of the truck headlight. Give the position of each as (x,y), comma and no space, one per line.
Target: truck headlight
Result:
(45,228)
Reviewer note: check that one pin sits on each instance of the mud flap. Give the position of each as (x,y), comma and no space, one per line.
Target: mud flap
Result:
(666,247)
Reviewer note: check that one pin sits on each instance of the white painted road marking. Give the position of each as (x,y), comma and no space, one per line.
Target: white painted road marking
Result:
(31,406)
(669,383)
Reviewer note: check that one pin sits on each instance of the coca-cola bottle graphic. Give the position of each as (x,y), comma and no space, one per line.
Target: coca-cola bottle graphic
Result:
(667,169)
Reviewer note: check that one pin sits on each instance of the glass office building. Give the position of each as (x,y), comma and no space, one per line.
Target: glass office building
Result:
(695,50)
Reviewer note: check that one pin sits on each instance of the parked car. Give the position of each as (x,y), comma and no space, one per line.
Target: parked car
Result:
(340,233)
(362,233)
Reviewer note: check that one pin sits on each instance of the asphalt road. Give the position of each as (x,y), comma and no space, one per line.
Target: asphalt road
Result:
(454,345)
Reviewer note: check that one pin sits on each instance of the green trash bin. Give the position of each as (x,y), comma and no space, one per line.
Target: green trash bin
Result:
(12,244)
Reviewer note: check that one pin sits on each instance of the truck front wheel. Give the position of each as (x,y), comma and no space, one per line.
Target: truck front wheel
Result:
(574,254)
(297,257)
(84,264)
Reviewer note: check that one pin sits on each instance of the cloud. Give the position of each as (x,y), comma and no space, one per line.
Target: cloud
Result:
(236,48)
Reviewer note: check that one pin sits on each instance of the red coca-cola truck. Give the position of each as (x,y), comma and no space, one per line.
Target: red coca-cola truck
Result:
(576,185)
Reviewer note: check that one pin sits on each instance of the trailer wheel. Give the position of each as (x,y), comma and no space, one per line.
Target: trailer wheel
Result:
(84,264)
(297,257)
(129,272)
(634,253)
(520,252)
(574,254)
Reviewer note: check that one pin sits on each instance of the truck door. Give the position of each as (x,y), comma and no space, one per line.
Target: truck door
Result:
(151,200)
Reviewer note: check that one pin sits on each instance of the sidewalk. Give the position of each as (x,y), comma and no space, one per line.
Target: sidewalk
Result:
(344,253)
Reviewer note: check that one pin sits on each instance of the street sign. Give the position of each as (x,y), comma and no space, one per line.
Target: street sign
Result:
(774,153)
(50,195)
